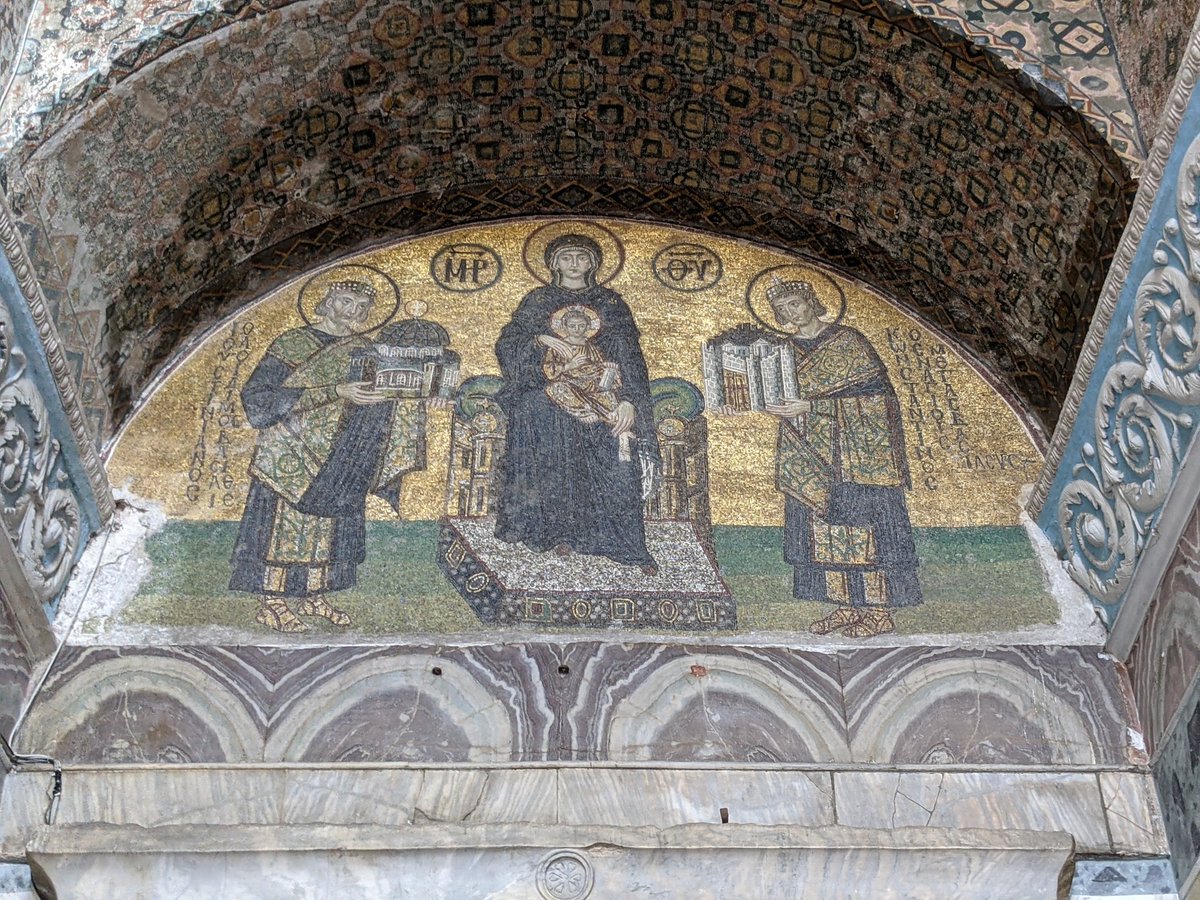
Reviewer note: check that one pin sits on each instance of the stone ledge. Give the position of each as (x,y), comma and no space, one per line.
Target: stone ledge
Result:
(1107,813)
(558,862)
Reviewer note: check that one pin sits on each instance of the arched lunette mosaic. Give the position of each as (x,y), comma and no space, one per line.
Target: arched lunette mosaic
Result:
(581,424)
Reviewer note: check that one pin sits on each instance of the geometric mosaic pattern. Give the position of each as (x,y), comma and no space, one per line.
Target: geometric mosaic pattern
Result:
(13,17)
(1149,38)
(1061,44)
(917,160)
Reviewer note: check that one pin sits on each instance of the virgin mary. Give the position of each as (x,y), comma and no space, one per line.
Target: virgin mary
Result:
(568,482)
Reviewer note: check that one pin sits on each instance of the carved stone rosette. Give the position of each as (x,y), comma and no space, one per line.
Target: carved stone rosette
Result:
(37,504)
(1145,412)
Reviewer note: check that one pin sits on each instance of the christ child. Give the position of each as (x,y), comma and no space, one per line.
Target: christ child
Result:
(580,380)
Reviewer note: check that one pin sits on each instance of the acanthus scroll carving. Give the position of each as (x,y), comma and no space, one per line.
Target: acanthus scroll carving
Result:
(1145,411)
(38,507)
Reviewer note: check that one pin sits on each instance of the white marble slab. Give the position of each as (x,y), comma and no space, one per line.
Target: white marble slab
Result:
(663,797)
(1039,801)
(405,796)
(1134,819)
(517,863)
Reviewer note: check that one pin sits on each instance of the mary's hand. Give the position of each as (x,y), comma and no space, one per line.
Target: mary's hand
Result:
(789,408)
(624,418)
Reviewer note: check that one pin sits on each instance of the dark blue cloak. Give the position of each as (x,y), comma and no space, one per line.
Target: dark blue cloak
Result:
(561,482)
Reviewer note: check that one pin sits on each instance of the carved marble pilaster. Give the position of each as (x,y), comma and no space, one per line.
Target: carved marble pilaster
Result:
(38,504)
(55,358)
(1115,463)
(49,475)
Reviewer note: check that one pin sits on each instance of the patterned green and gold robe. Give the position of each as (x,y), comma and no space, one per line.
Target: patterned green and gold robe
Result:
(843,470)
(317,458)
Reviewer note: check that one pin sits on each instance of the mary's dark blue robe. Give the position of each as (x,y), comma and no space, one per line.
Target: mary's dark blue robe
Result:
(562,482)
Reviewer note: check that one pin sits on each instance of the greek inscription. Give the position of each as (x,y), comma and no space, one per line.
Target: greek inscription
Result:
(464,268)
(687,267)
(211,483)
(930,402)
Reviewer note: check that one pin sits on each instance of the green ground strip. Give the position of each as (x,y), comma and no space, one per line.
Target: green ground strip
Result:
(973,580)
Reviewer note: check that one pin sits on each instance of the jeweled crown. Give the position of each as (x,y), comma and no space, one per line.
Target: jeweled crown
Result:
(780,288)
(353,287)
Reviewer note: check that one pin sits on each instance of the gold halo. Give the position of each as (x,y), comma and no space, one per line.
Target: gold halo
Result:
(827,289)
(387,294)
(611,248)
(556,320)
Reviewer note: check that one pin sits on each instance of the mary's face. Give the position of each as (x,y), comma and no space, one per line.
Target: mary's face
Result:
(572,263)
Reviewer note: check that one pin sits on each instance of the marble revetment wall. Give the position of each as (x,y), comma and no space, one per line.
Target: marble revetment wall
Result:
(567,524)
(1165,670)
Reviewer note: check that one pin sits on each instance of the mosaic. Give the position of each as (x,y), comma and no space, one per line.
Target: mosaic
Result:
(581,423)
(1150,39)
(1064,44)
(855,132)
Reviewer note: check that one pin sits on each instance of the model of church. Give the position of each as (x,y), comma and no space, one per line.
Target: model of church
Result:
(747,370)
(412,358)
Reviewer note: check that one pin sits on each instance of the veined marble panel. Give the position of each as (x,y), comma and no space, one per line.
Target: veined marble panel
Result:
(574,794)
(147,797)
(157,706)
(936,705)
(1166,654)
(584,701)
(662,797)
(421,796)
(1177,774)
(1019,800)
(1132,810)
(661,702)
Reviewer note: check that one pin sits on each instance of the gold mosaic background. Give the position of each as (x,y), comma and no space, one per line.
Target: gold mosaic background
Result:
(196,405)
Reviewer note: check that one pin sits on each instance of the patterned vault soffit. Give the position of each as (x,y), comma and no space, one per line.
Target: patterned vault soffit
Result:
(861,134)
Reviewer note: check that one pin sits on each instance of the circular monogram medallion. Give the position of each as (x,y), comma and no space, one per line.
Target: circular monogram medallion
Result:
(565,875)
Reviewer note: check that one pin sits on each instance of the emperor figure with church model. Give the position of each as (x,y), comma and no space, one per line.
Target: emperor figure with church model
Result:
(327,437)
(840,465)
